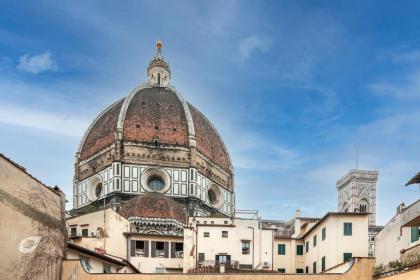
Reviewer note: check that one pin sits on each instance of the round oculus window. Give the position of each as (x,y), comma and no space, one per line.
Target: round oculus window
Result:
(155,180)
(155,183)
(214,196)
(98,189)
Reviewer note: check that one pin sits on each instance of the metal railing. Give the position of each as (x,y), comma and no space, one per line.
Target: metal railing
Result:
(397,271)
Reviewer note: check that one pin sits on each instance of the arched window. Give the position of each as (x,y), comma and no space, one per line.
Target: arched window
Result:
(158,79)
(363,207)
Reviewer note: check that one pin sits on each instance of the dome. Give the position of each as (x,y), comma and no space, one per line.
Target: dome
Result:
(152,140)
(155,116)
(154,205)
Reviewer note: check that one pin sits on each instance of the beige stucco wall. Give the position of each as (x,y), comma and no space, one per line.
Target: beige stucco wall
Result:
(115,225)
(361,270)
(29,211)
(238,229)
(392,239)
(290,261)
(336,243)
(149,264)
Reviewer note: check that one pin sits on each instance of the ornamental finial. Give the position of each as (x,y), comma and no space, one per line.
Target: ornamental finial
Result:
(159,47)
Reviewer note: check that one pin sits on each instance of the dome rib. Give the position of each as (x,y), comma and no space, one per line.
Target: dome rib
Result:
(101,132)
(209,141)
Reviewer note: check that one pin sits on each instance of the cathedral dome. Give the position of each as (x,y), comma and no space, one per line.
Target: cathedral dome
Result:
(155,116)
(154,205)
(154,141)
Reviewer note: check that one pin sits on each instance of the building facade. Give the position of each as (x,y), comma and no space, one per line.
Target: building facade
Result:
(318,245)
(238,244)
(32,227)
(400,236)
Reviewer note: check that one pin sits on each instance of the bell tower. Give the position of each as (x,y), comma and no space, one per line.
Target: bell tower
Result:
(357,193)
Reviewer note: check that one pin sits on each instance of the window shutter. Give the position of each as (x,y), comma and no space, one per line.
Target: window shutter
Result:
(146,248)
(173,248)
(166,249)
(133,248)
(153,249)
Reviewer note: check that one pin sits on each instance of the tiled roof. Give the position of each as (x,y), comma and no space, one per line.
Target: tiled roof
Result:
(154,205)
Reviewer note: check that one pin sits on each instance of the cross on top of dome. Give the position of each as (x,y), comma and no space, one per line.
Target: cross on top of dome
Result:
(158,71)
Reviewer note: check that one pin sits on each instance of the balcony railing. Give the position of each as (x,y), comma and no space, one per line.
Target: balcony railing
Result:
(216,264)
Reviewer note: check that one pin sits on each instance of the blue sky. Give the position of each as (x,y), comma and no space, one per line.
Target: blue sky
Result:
(294,88)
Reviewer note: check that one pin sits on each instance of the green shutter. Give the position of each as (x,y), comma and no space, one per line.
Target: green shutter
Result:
(281,249)
(347,256)
(299,250)
(347,228)
(323,264)
(414,234)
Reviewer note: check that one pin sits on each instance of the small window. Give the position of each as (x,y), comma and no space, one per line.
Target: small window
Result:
(212,222)
(139,248)
(245,247)
(85,263)
(307,269)
(281,249)
(225,222)
(73,231)
(160,249)
(225,234)
(299,250)
(179,250)
(245,266)
(299,270)
(415,234)
(307,246)
(347,256)
(324,233)
(281,270)
(348,229)
(314,240)
(201,257)
(85,232)
(206,234)
(323,263)
(314,267)
(107,268)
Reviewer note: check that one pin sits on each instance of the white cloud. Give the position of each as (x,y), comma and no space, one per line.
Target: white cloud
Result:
(42,120)
(37,63)
(408,89)
(406,57)
(253,43)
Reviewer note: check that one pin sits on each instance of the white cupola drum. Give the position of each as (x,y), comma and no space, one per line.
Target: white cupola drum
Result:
(158,71)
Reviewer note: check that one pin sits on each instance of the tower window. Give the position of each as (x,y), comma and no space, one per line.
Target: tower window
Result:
(158,82)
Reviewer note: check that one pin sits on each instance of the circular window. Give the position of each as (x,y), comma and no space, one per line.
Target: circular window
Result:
(156,180)
(98,189)
(155,183)
(95,188)
(214,196)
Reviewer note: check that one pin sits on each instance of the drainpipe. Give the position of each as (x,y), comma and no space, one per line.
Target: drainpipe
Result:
(253,248)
